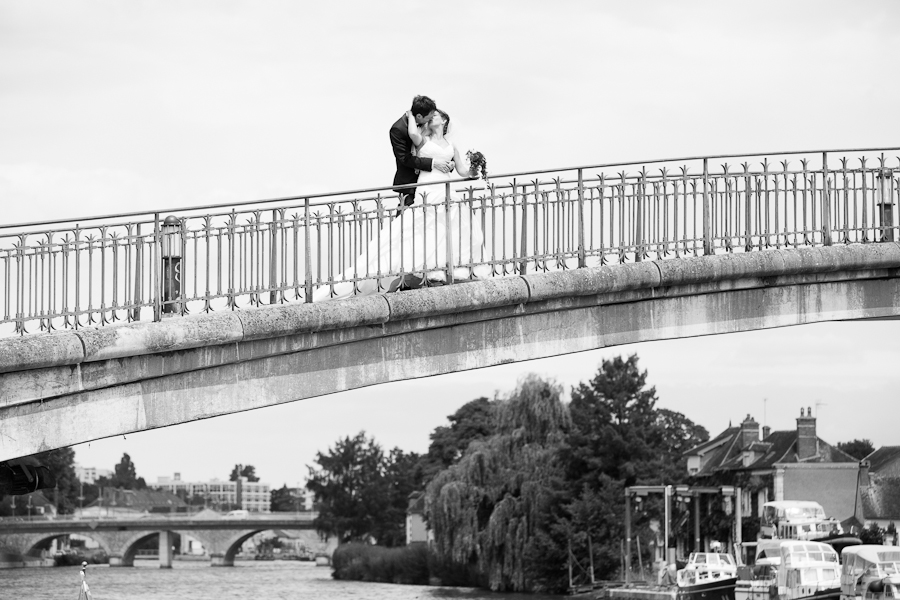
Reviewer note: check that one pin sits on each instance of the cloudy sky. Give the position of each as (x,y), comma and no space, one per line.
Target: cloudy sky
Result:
(111,106)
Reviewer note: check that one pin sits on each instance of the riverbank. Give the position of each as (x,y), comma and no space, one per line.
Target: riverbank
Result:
(25,562)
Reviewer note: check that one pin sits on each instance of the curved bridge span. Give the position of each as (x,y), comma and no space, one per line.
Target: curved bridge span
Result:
(101,382)
(149,323)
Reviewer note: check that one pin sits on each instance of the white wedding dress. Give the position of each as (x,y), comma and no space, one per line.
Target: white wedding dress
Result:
(416,241)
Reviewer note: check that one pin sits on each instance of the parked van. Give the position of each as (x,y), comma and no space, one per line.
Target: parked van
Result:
(240,514)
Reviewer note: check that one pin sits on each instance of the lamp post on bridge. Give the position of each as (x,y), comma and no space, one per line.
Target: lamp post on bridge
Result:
(171,260)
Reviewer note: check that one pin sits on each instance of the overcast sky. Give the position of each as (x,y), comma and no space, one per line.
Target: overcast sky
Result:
(112,106)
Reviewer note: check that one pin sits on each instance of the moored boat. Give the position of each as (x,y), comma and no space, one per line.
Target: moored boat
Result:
(808,571)
(755,581)
(707,576)
(870,572)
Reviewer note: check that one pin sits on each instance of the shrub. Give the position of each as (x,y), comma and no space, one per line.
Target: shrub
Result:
(415,564)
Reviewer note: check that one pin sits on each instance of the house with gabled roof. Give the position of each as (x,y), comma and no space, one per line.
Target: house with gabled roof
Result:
(878,498)
(778,465)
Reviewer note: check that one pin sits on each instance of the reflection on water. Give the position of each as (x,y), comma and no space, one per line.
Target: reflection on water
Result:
(198,581)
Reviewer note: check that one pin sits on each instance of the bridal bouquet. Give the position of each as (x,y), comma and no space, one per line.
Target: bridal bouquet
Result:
(477,164)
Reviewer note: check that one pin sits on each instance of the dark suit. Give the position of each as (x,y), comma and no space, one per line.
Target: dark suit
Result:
(407,164)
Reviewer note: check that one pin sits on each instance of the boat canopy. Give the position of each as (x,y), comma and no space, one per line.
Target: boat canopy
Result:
(798,553)
(712,559)
(768,550)
(879,561)
(793,510)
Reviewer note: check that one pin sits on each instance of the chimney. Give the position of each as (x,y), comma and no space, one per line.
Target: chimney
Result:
(864,473)
(749,432)
(766,431)
(807,442)
(177,476)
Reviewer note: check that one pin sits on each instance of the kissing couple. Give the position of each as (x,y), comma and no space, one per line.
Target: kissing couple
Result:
(411,250)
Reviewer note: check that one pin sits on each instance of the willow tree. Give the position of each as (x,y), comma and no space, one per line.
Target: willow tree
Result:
(491,507)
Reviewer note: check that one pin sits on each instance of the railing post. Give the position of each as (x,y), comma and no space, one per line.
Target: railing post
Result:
(273,257)
(582,260)
(523,248)
(20,286)
(707,229)
(138,268)
(639,219)
(307,259)
(826,203)
(157,270)
(448,235)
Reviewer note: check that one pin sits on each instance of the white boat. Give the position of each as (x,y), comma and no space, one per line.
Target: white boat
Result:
(808,570)
(870,572)
(755,582)
(707,575)
(796,520)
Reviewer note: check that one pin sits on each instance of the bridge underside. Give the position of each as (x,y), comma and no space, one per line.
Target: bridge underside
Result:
(140,377)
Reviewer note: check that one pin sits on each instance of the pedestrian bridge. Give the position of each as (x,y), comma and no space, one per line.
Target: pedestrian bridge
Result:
(138,322)
(121,537)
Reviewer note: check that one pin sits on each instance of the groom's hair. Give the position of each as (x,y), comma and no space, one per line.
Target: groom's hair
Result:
(422,105)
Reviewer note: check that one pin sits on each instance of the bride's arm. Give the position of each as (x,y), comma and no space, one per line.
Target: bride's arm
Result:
(462,166)
(413,130)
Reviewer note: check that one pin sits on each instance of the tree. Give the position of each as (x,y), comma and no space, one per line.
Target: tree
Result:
(248,471)
(873,534)
(125,476)
(403,475)
(493,506)
(351,488)
(858,449)
(283,500)
(619,438)
(618,431)
(61,463)
(473,421)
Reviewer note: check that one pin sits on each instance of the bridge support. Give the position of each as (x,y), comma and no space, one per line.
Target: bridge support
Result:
(165,549)
(221,560)
(120,561)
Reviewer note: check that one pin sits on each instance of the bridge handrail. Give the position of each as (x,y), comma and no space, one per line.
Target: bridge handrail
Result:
(272,252)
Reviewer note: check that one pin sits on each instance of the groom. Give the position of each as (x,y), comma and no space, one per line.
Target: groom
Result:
(408,165)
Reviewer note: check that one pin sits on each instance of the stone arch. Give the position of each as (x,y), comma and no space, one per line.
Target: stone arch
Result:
(123,545)
(130,550)
(41,542)
(236,543)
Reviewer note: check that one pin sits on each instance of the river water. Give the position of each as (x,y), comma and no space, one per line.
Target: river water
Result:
(196,580)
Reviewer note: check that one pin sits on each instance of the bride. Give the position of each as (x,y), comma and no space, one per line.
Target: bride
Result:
(417,239)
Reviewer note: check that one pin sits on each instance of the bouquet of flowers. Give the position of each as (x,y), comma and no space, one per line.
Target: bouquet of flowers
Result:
(477,164)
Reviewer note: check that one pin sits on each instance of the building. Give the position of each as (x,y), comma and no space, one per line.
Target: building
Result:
(416,528)
(878,498)
(217,494)
(124,503)
(90,474)
(778,465)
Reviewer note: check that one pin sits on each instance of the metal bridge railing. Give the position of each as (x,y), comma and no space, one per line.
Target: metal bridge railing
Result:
(69,274)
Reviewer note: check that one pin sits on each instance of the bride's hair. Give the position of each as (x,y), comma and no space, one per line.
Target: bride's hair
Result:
(446,120)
